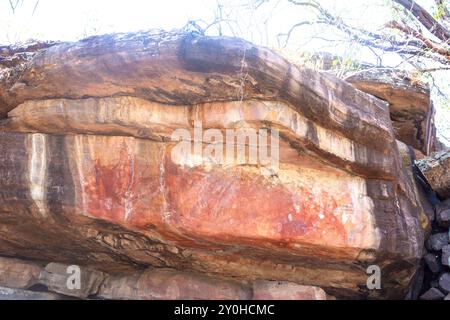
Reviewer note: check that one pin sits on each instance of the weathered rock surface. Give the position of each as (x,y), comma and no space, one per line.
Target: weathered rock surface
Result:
(88,167)
(433,263)
(73,281)
(443,218)
(20,294)
(437,241)
(57,277)
(146,196)
(410,106)
(432,294)
(436,170)
(187,69)
(413,185)
(281,290)
(15,273)
(444,282)
(445,259)
(170,285)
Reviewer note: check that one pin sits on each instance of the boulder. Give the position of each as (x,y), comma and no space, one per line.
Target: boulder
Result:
(20,294)
(437,241)
(432,294)
(436,169)
(167,284)
(91,169)
(434,283)
(71,280)
(443,213)
(444,282)
(433,262)
(410,106)
(15,273)
(445,259)
(443,218)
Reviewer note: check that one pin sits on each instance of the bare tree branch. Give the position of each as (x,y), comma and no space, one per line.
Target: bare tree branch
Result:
(433,46)
(426,19)
(413,42)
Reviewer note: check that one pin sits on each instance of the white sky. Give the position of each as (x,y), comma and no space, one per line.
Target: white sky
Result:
(72,20)
(75,19)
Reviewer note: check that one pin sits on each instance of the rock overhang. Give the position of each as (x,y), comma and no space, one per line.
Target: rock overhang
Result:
(88,136)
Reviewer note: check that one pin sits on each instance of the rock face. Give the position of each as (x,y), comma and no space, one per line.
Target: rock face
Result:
(410,106)
(89,167)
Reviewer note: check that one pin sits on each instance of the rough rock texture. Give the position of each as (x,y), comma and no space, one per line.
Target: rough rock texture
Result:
(411,109)
(443,218)
(446,255)
(150,284)
(20,294)
(444,282)
(281,290)
(433,263)
(416,285)
(15,273)
(437,241)
(432,294)
(437,273)
(88,167)
(436,170)
(56,276)
(414,188)
(167,284)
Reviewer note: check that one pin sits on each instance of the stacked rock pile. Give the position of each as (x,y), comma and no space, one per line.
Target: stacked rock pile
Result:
(437,260)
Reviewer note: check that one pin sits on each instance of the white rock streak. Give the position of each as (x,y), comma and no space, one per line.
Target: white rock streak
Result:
(38,171)
(79,165)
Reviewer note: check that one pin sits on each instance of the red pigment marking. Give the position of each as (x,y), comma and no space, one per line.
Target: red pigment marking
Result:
(230,206)
(125,188)
(109,186)
(235,206)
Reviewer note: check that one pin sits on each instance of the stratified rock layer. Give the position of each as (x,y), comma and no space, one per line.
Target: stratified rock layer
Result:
(25,280)
(89,167)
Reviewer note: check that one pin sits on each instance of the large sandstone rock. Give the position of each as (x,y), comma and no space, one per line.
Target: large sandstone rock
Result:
(410,106)
(187,69)
(89,168)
